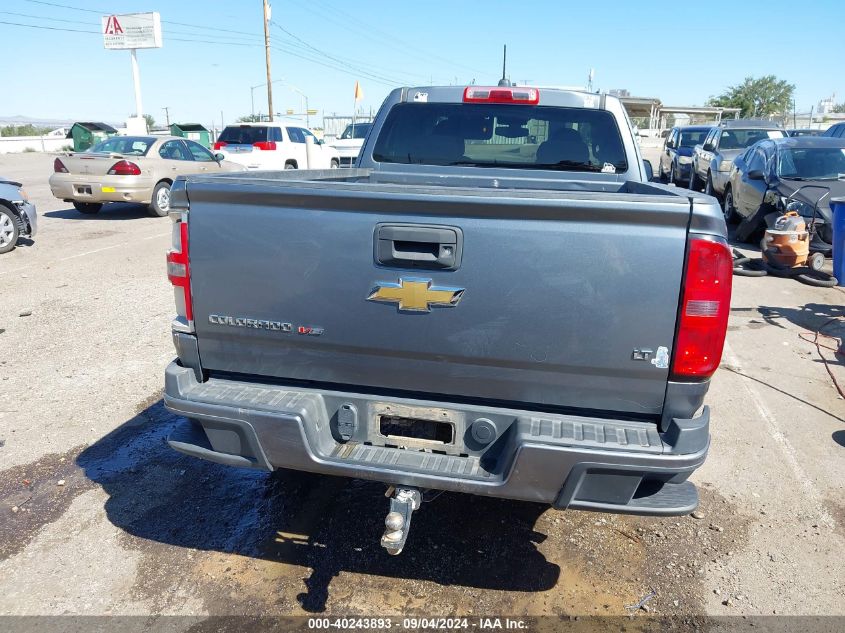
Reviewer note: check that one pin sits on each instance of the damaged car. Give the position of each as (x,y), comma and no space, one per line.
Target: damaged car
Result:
(17,214)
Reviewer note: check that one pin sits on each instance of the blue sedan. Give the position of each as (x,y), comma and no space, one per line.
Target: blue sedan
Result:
(676,157)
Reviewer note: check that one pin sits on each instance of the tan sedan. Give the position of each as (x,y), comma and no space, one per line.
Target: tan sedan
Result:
(131,169)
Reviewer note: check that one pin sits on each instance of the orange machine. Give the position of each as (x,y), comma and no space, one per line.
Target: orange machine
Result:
(787,244)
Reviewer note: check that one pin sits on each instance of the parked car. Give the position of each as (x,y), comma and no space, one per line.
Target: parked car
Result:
(274,145)
(348,144)
(131,169)
(768,172)
(836,131)
(423,321)
(17,214)
(676,158)
(804,132)
(712,160)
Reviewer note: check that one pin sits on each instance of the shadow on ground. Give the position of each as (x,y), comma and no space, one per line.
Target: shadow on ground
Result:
(326,524)
(112,211)
(826,318)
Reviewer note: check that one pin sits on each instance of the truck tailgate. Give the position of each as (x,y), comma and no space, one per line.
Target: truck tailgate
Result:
(558,299)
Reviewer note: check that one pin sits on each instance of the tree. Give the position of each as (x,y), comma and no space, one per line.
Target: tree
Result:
(757,97)
(839,107)
(151,122)
(24,130)
(249,118)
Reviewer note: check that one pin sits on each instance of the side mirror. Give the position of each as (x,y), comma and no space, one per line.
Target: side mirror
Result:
(756,174)
(219,157)
(708,147)
(649,170)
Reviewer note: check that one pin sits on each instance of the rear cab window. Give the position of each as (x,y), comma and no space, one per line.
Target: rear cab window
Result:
(496,135)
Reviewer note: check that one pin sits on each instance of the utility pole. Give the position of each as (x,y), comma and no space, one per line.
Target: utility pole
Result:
(267,57)
(167,114)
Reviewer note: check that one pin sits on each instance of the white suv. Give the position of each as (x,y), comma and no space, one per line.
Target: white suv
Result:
(276,145)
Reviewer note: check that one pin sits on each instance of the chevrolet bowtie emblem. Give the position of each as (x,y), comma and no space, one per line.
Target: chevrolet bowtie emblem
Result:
(416,295)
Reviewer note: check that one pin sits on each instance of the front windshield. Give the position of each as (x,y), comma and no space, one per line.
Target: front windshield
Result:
(126,145)
(740,139)
(502,135)
(359,130)
(811,163)
(693,138)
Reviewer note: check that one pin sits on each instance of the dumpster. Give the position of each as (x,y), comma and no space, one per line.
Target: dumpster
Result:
(87,133)
(192,131)
(837,206)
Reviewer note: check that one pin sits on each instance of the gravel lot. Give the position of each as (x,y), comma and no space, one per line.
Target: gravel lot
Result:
(98,516)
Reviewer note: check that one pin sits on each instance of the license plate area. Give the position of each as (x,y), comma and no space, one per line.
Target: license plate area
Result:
(427,429)
(413,428)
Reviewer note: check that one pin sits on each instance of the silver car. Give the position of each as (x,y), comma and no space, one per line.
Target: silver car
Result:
(131,169)
(17,214)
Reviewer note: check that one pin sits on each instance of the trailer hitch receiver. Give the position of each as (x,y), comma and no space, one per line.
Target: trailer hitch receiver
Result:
(397,524)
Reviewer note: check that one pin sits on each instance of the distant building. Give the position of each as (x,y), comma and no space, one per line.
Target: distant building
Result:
(826,105)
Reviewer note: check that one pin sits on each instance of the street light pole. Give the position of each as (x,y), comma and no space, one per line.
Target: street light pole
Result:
(304,96)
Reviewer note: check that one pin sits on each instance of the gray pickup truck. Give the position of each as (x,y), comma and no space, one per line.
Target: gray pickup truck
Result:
(494,301)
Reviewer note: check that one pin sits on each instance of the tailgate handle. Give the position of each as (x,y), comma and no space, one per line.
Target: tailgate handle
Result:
(418,246)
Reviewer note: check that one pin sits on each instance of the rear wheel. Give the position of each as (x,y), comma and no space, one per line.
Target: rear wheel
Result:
(728,209)
(9,230)
(160,205)
(290,166)
(335,163)
(88,207)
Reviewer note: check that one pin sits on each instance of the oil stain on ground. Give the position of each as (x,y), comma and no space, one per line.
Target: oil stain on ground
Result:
(253,543)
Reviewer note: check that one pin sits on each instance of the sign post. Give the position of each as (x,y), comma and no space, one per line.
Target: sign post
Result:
(133,31)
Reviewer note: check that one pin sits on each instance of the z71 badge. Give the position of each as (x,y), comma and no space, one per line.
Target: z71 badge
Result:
(264,324)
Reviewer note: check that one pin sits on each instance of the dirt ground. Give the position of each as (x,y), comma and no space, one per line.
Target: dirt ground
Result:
(98,516)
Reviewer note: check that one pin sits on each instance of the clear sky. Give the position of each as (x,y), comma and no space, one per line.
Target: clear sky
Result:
(680,52)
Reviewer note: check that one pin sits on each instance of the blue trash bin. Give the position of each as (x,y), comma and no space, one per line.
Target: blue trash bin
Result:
(837,205)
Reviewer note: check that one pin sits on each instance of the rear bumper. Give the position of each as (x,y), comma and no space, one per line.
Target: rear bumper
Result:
(564,460)
(76,187)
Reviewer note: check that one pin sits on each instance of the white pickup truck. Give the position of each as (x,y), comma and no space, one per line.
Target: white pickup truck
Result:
(349,144)
(274,145)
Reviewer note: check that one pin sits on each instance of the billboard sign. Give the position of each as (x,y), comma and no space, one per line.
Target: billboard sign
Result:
(132,30)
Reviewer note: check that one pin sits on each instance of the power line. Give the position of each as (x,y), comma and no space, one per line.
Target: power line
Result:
(369,29)
(49,28)
(104,12)
(87,22)
(337,60)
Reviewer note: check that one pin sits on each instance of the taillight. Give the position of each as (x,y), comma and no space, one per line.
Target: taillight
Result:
(704,311)
(124,168)
(516,94)
(178,270)
(220,144)
(59,167)
(265,145)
